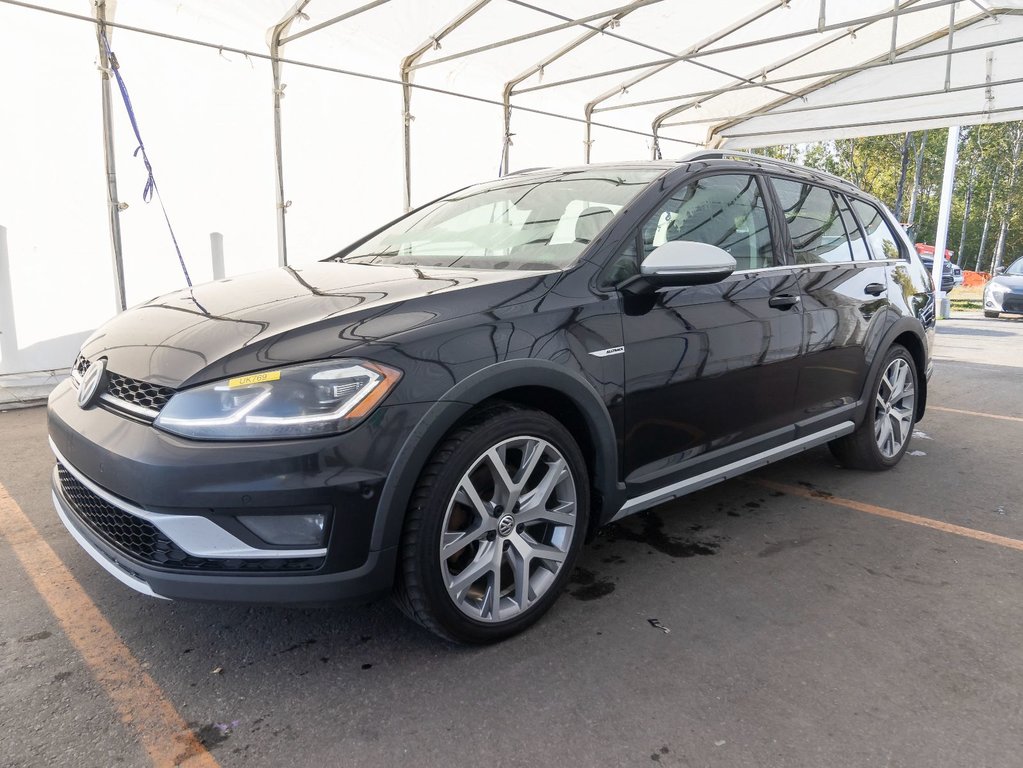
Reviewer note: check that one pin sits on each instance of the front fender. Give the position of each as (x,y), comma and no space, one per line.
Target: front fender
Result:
(459,400)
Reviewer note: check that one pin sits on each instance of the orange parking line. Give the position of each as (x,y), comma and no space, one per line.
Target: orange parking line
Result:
(141,704)
(974,413)
(871,509)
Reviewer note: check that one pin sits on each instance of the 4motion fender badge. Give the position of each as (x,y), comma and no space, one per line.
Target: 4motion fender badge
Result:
(608,352)
(92,383)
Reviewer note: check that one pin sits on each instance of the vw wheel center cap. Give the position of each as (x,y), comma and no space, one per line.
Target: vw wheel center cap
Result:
(90,387)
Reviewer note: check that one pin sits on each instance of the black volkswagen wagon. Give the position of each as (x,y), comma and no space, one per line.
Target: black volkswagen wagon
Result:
(449,407)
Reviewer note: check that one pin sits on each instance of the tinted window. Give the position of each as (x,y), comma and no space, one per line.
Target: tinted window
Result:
(815,222)
(860,251)
(883,241)
(726,211)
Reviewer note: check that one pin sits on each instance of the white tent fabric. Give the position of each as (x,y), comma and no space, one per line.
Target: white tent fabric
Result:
(583,80)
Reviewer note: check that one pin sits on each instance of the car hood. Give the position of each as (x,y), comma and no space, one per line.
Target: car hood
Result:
(292,315)
(1013,282)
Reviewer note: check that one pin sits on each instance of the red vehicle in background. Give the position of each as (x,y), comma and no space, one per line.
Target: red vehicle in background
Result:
(927,252)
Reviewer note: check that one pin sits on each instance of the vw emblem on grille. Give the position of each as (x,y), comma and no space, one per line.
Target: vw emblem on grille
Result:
(506,525)
(92,383)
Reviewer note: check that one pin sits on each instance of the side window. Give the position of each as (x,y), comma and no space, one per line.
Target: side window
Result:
(883,242)
(815,222)
(860,251)
(727,211)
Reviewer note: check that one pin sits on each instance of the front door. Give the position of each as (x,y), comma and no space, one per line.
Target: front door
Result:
(711,369)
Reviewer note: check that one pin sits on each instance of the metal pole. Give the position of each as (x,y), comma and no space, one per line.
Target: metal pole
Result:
(407,65)
(217,254)
(276,33)
(113,204)
(538,68)
(8,327)
(944,213)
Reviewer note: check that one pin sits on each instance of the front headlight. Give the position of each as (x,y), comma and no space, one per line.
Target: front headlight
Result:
(299,401)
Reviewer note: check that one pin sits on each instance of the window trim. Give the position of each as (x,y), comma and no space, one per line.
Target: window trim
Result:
(881,210)
(775,228)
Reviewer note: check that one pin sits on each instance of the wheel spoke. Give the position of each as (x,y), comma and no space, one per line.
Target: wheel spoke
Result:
(563,514)
(537,498)
(523,588)
(886,435)
(472,573)
(455,541)
(468,496)
(503,484)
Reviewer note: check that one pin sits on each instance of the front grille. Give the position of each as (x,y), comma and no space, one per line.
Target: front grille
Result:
(140,393)
(81,366)
(143,541)
(131,392)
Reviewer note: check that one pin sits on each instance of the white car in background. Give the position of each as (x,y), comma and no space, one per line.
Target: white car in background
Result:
(1004,291)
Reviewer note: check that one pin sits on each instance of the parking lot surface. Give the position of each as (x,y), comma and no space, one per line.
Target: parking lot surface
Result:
(804,615)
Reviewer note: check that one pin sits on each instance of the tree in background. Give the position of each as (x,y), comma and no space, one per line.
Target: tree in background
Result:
(908,167)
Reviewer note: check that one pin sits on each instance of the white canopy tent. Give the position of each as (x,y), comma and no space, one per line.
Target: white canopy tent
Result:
(293,127)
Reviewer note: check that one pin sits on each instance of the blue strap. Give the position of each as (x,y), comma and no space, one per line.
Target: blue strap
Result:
(150,188)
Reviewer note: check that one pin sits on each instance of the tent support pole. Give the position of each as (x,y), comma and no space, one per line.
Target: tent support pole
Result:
(944,214)
(407,65)
(113,204)
(538,68)
(276,33)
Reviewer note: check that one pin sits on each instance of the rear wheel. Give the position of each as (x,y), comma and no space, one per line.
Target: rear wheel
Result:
(883,437)
(988,313)
(495,526)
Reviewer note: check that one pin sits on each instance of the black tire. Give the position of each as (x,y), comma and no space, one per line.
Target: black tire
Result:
(990,314)
(861,450)
(421,591)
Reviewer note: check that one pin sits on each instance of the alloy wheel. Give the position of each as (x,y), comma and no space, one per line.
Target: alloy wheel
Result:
(508,528)
(894,408)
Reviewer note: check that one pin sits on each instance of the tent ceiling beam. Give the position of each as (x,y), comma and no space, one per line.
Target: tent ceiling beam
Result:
(913,6)
(590,107)
(767,111)
(841,72)
(839,75)
(947,117)
(537,33)
(333,21)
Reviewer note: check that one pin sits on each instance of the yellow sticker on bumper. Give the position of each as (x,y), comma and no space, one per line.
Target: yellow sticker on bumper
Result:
(254,378)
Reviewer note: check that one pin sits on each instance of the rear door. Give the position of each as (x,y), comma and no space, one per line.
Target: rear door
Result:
(710,369)
(844,294)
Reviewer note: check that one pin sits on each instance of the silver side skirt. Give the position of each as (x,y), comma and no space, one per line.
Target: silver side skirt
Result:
(691,484)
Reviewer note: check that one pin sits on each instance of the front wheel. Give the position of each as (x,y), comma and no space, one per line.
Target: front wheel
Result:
(495,526)
(990,314)
(883,437)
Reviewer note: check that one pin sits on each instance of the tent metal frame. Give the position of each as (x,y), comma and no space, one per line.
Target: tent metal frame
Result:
(592,26)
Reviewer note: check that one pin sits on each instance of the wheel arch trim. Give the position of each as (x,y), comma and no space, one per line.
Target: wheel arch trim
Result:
(482,385)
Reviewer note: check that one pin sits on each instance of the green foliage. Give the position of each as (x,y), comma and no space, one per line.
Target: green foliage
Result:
(986,159)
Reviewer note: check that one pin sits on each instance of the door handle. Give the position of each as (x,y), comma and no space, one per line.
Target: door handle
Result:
(783,301)
(874,289)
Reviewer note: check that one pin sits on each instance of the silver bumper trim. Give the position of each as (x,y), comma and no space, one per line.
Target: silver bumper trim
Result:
(198,536)
(108,565)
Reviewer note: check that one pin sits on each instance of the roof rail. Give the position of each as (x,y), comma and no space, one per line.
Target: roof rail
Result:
(724,154)
(528,170)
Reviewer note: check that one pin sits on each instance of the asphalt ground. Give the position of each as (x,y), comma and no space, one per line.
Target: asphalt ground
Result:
(804,615)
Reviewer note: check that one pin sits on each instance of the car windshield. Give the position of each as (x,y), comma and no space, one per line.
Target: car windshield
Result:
(534,221)
(1016,268)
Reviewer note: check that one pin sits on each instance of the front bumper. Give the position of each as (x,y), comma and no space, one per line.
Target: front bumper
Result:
(157,511)
(1005,301)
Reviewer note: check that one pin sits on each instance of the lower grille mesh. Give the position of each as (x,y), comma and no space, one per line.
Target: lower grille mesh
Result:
(143,541)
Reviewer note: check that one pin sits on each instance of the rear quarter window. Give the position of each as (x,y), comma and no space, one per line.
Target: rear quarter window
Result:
(884,243)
